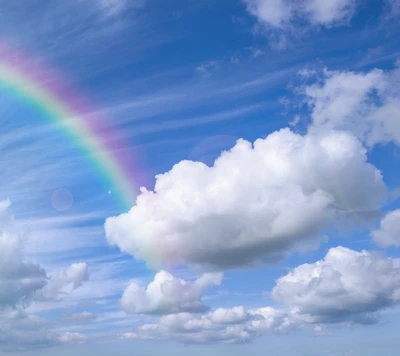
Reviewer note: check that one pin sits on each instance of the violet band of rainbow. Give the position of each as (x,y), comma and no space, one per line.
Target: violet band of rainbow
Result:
(91,131)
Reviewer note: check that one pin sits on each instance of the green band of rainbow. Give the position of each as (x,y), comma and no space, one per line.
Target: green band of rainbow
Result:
(93,133)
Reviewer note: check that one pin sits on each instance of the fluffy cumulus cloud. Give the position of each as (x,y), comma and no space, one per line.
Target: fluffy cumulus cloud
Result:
(19,280)
(234,325)
(65,282)
(23,283)
(388,233)
(168,294)
(286,17)
(346,286)
(255,203)
(364,103)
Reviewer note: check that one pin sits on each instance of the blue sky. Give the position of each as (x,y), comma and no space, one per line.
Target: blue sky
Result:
(268,136)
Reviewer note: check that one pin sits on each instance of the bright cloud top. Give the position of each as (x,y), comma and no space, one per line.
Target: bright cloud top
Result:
(364,103)
(254,204)
(346,286)
(168,294)
(226,231)
(388,233)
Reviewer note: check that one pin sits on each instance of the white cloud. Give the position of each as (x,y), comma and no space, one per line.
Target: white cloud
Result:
(282,19)
(346,286)
(19,280)
(23,283)
(229,316)
(234,325)
(388,233)
(329,12)
(77,274)
(65,282)
(366,104)
(274,13)
(256,203)
(168,294)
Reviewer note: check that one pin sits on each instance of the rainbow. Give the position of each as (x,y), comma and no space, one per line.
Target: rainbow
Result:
(47,92)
